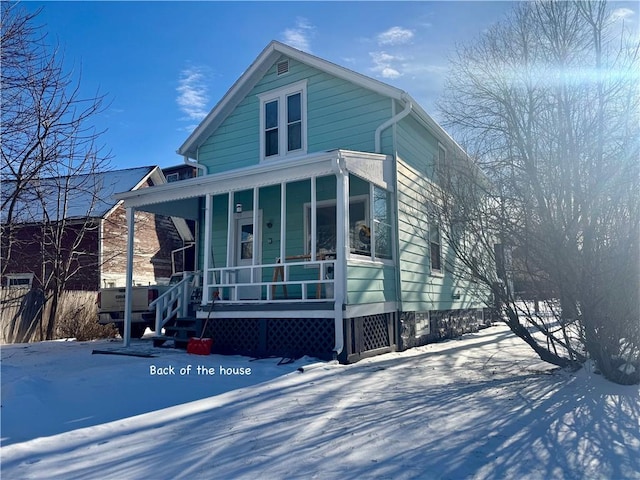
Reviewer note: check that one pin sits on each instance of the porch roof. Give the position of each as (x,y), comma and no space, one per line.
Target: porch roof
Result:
(181,198)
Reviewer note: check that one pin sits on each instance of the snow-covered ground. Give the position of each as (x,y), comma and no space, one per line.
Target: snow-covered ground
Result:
(481,407)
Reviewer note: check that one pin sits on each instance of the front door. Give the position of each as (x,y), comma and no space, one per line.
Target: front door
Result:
(245,231)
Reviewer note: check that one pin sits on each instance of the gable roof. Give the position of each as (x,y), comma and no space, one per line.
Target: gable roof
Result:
(88,195)
(274,51)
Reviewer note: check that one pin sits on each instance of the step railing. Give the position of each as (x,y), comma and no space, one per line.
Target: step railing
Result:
(290,282)
(174,302)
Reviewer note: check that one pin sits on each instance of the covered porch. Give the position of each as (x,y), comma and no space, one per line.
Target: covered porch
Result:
(275,240)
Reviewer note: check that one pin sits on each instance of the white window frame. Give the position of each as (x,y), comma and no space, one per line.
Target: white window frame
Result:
(375,223)
(281,95)
(173,177)
(20,276)
(435,271)
(331,203)
(366,199)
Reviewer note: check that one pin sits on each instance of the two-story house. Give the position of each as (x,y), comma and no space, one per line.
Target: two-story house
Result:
(314,236)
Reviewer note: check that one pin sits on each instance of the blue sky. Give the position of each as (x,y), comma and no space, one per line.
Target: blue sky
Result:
(164,65)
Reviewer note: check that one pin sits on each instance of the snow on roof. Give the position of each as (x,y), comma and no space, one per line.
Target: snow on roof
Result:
(71,197)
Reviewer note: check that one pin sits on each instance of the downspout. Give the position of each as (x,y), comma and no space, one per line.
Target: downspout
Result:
(408,106)
(340,270)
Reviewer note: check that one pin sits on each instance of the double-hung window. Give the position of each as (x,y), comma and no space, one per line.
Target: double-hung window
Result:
(283,121)
(435,249)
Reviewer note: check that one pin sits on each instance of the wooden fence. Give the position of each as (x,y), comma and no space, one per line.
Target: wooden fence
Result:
(76,318)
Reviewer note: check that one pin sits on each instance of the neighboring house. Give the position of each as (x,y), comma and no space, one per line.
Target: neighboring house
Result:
(313,231)
(94,233)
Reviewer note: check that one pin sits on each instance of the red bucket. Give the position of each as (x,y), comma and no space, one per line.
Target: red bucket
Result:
(200,346)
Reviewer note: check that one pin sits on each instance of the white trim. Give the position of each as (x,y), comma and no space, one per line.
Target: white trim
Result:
(268,173)
(262,313)
(283,220)
(175,176)
(313,220)
(101,276)
(264,174)
(128,296)
(342,247)
(313,209)
(281,95)
(19,276)
(256,218)
(363,260)
(436,272)
(231,225)
(206,254)
(362,310)
(374,233)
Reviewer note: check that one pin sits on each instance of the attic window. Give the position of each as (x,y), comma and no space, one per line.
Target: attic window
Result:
(283,67)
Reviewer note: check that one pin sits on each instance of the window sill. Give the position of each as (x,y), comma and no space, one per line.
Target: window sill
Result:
(354,258)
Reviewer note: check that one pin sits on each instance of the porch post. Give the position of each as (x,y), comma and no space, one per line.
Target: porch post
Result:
(230,234)
(128,295)
(207,249)
(372,223)
(342,247)
(283,222)
(314,222)
(256,229)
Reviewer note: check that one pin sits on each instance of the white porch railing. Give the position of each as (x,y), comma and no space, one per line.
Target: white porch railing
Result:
(174,302)
(291,282)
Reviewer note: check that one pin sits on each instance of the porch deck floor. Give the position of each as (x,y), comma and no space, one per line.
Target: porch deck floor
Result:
(269,307)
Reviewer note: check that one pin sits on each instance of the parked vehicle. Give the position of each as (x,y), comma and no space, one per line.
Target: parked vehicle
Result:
(111,303)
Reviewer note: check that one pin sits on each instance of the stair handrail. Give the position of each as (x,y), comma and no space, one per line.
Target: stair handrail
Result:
(180,293)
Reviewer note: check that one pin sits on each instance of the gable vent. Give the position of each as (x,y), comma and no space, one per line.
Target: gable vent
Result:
(283,67)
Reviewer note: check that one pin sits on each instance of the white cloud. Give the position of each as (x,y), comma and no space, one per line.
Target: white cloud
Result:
(622,14)
(386,65)
(395,36)
(299,36)
(416,68)
(192,93)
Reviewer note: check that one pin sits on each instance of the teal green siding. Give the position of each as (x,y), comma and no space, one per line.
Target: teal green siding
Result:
(374,283)
(416,146)
(340,115)
(422,289)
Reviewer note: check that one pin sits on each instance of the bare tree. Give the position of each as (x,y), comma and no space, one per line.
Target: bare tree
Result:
(547,102)
(47,144)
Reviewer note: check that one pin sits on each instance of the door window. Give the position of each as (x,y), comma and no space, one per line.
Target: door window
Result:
(246,242)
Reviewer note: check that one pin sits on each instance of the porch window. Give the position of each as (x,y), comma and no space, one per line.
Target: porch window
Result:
(435,248)
(326,226)
(382,222)
(283,121)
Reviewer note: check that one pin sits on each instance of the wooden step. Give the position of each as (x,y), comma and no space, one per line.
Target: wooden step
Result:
(179,331)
